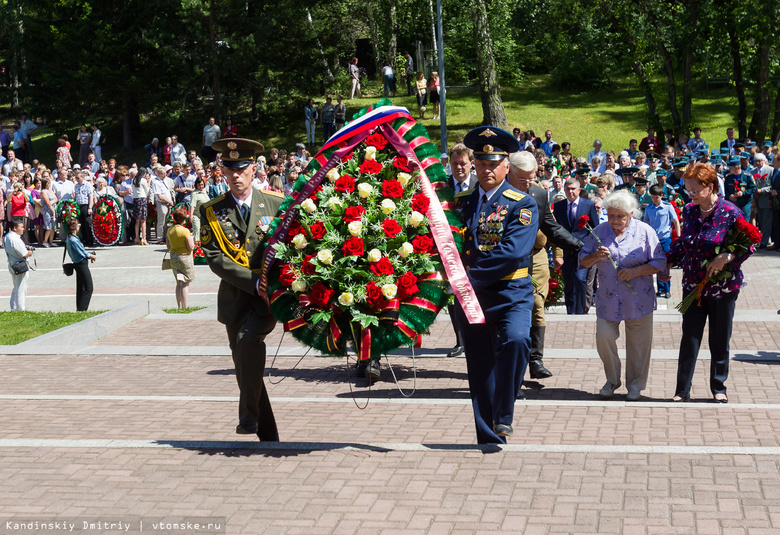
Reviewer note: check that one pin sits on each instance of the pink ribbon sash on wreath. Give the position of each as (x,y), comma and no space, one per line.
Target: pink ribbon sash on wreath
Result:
(350,137)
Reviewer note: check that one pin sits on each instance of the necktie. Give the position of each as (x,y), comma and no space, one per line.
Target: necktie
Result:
(572,215)
(245,213)
(483,202)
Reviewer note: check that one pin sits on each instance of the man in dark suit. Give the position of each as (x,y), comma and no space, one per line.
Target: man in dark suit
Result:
(774,192)
(501,225)
(232,236)
(462,183)
(522,170)
(729,142)
(568,214)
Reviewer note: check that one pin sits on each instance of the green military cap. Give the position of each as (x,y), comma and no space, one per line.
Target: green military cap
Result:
(641,181)
(623,171)
(237,152)
(652,155)
(582,171)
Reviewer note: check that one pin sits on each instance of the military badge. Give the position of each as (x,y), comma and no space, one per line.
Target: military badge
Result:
(526,216)
(488,133)
(234,154)
(205,235)
(232,145)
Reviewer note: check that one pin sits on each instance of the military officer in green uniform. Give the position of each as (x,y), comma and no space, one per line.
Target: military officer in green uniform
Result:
(232,236)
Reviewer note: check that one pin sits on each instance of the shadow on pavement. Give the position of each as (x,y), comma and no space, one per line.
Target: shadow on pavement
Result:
(763,357)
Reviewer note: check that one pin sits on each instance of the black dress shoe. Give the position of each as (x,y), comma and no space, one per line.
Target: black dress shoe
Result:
(372,371)
(520,394)
(666,295)
(360,369)
(724,399)
(249,429)
(537,370)
(682,399)
(455,351)
(503,430)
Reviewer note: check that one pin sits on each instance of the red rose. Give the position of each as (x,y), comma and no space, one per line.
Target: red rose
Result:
(373,294)
(402,164)
(553,284)
(345,184)
(376,140)
(353,247)
(318,230)
(370,167)
(347,157)
(287,276)
(383,267)
(321,294)
(407,285)
(392,188)
(583,222)
(353,213)
(422,244)
(391,228)
(306,266)
(420,203)
(295,229)
(751,231)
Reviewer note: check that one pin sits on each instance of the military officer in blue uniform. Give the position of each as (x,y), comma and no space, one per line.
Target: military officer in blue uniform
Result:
(739,186)
(232,236)
(501,224)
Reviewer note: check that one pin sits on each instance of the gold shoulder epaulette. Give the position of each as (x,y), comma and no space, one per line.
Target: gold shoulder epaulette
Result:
(274,193)
(214,201)
(463,193)
(514,195)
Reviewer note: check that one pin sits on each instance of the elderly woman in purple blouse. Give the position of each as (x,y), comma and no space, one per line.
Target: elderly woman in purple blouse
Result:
(705,223)
(628,254)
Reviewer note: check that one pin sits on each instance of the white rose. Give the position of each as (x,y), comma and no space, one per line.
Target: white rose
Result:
(389,290)
(333,175)
(346,299)
(415,218)
(299,285)
(300,241)
(370,153)
(333,202)
(355,228)
(387,206)
(309,206)
(404,178)
(325,257)
(365,190)
(374,255)
(406,249)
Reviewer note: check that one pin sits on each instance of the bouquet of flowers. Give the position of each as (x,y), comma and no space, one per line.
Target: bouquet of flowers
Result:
(198,258)
(107,220)
(187,223)
(740,239)
(360,262)
(555,292)
(67,209)
(151,212)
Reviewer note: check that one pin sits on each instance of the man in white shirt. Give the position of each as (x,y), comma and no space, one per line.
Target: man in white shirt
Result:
(63,187)
(211,133)
(126,192)
(12,164)
(96,144)
(597,152)
(16,251)
(178,152)
(163,201)
(260,181)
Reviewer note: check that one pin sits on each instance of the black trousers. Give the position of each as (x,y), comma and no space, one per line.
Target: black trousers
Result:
(720,313)
(776,227)
(83,284)
(86,228)
(248,347)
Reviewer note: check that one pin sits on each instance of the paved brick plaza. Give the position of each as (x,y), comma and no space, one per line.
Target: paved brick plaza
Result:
(139,425)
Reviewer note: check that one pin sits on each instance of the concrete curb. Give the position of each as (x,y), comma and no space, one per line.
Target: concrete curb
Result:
(84,332)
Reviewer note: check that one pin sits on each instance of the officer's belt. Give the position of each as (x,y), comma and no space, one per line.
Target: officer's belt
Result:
(517,274)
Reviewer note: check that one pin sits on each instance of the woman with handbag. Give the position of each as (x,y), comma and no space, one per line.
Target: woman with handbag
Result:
(16,252)
(181,245)
(81,259)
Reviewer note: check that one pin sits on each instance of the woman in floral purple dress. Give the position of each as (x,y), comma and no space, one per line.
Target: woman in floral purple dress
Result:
(705,222)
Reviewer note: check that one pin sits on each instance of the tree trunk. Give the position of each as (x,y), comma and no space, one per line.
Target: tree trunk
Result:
(328,73)
(652,108)
(671,85)
(216,89)
(739,85)
(127,121)
(393,45)
(492,107)
(687,108)
(776,127)
(760,121)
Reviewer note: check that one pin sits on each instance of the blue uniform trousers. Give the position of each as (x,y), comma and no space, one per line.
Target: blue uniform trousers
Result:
(497,353)
(666,244)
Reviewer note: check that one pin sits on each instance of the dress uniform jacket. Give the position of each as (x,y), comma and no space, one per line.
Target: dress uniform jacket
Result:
(498,241)
(244,313)
(748,187)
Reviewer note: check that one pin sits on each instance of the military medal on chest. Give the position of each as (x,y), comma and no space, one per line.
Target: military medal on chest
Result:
(490,229)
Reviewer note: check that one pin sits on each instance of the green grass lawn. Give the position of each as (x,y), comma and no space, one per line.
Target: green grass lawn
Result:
(182,310)
(613,115)
(21,326)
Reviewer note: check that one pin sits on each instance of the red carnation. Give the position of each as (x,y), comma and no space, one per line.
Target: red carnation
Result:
(373,294)
(345,184)
(392,188)
(306,266)
(376,140)
(553,283)
(370,167)
(383,267)
(353,247)
(287,276)
(422,244)
(321,294)
(391,228)
(583,222)
(407,285)
(318,230)
(402,164)
(736,186)
(420,203)
(353,213)
(751,231)
(347,157)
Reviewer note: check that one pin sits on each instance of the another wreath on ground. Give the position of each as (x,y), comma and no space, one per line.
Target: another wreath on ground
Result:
(67,209)
(107,220)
